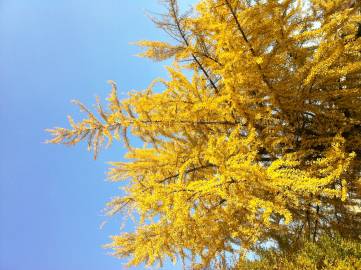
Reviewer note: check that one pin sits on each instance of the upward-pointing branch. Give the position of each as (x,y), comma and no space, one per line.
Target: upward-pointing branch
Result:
(174,14)
(253,52)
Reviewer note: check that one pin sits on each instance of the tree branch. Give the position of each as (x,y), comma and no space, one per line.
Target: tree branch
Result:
(174,14)
(264,78)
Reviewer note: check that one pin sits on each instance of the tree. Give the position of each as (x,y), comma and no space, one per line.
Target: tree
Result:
(255,136)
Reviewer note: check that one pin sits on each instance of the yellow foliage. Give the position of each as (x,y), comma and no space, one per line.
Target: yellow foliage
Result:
(255,136)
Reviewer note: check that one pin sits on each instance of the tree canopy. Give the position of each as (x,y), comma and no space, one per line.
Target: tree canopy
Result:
(255,136)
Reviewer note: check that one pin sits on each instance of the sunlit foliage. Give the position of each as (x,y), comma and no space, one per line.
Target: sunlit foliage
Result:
(254,137)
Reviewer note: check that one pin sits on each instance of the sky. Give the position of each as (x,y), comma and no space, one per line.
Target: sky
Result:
(51,196)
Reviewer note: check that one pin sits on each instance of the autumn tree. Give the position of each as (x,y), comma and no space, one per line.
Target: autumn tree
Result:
(255,136)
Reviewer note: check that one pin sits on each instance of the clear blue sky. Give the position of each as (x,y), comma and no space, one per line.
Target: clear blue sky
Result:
(51,197)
